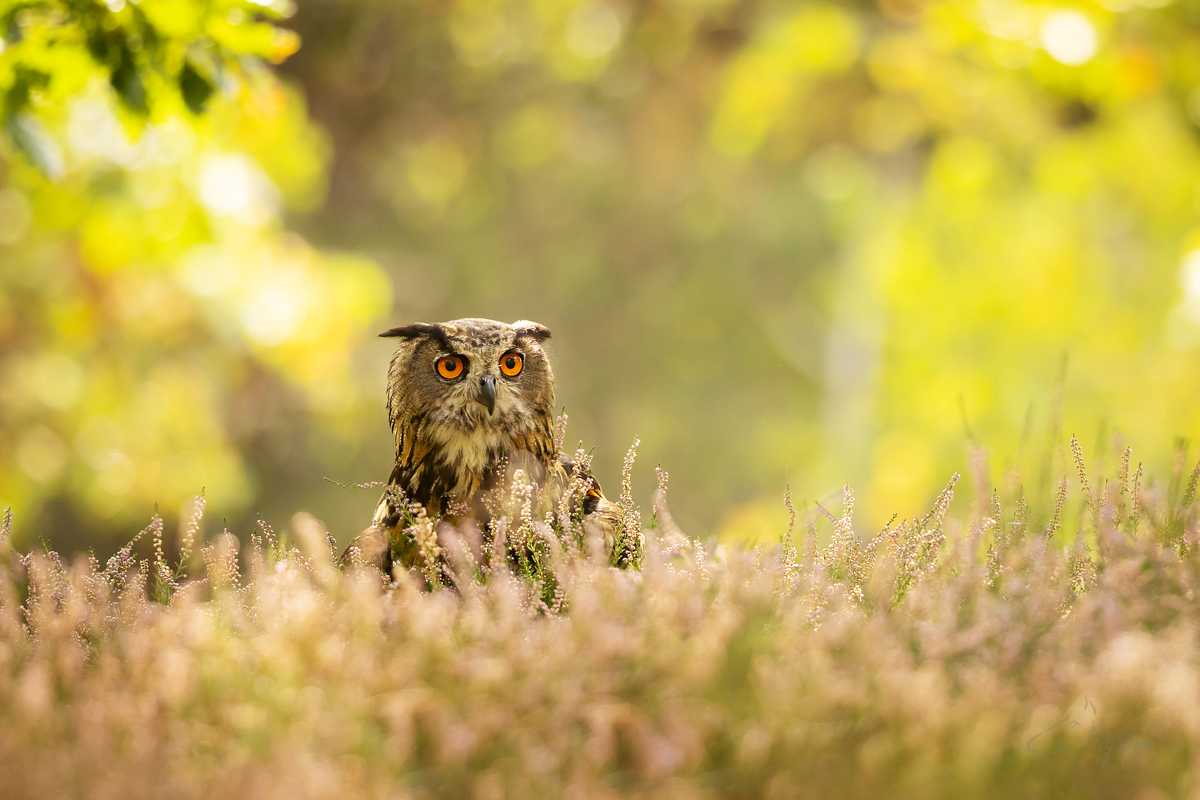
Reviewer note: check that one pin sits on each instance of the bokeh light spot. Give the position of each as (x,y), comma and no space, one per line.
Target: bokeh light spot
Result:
(117,473)
(97,437)
(1183,325)
(225,185)
(233,186)
(1190,275)
(593,30)
(1069,38)
(274,308)
(41,454)
(56,380)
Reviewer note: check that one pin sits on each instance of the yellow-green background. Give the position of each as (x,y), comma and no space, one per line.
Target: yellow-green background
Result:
(805,243)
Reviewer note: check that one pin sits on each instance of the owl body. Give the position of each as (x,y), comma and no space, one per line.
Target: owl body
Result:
(471,401)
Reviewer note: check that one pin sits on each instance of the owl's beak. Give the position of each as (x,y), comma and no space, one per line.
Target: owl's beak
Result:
(487,393)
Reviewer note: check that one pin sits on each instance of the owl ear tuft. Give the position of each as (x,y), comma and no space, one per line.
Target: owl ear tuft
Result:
(413,331)
(533,330)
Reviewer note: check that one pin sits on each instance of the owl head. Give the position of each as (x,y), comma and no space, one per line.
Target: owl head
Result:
(470,375)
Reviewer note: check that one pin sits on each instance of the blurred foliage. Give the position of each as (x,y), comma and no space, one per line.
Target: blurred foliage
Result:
(160,54)
(779,241)
(155,319)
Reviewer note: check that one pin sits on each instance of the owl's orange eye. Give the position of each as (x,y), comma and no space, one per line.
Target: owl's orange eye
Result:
(511,364)
(450,367)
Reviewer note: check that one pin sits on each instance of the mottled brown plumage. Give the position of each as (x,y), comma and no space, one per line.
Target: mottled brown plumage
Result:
(470,401)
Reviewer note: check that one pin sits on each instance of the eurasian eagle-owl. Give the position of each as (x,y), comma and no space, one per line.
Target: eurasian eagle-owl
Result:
(468,400)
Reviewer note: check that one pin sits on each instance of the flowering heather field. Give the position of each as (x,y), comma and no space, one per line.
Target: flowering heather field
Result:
(1017,650)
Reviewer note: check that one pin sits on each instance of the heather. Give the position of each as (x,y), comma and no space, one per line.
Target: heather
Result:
(1000,645)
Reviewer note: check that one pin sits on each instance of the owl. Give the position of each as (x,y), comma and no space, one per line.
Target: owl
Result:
(470,401)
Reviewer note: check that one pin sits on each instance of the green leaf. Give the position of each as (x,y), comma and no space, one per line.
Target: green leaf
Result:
(127,81)
(97,45)
(24,80)
(195,88)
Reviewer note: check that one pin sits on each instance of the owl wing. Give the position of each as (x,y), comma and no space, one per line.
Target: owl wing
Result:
(374,545)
